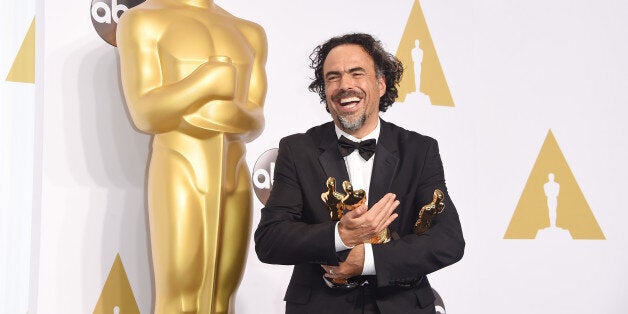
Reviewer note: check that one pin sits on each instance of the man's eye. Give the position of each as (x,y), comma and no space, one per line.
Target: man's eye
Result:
(332,78)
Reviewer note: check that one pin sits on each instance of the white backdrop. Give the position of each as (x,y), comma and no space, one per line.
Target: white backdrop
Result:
(516,70)
(17,121)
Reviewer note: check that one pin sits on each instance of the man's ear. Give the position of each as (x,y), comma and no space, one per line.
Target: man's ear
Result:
(382,85)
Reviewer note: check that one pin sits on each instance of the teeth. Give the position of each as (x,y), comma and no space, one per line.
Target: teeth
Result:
(350,99)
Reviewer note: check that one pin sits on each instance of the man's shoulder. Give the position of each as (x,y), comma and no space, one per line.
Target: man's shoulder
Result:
(404,136)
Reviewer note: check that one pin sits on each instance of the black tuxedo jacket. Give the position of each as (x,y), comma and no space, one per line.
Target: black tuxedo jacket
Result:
(295,228)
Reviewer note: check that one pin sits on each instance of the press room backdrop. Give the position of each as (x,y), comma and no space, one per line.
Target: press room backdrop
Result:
(17,109)
(527,99)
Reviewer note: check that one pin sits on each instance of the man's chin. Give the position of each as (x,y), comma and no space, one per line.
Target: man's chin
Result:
(351,125)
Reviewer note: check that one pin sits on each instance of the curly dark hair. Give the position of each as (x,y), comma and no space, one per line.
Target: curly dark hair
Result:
(386,64)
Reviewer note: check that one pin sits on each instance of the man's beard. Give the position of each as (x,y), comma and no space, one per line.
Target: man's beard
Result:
(354,124)
(350,123)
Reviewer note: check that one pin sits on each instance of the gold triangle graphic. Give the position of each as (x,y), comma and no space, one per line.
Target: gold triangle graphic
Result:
(572,210)
(432,78)
(117,292)
(23,68)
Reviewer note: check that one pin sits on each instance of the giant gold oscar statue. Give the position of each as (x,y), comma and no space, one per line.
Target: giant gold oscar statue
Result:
(194,76)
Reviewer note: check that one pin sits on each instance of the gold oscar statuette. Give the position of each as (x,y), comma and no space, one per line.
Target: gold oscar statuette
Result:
(339,204)
(355,199)
(429,211)
(333,200)
(194,77)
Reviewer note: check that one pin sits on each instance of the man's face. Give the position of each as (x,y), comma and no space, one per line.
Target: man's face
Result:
(353,89)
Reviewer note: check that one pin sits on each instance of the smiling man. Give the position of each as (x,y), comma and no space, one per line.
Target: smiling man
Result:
(399,171)
(353,87)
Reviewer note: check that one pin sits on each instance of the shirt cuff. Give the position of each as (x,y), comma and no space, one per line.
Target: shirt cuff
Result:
(369,260)
(340,246)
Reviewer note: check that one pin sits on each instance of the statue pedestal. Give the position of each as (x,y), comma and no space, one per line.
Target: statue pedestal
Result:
(553,233)
(418,98)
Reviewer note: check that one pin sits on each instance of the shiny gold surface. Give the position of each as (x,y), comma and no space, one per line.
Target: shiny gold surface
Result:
(352,199)
(333,200)
(355,199)
(338,204)
(193,76)
(429,211)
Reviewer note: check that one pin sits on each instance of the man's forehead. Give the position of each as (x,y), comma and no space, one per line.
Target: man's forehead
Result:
(347,57)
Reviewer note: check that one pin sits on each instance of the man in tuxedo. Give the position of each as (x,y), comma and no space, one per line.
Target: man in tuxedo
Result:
(399,171)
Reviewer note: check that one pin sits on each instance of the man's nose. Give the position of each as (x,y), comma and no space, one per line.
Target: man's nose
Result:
(346,82)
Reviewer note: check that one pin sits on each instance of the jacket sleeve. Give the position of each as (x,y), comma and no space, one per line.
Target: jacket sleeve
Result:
(282,236)
(405,261)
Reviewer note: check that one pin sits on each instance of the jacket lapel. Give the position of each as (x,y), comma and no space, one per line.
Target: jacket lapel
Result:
(330,159)
(384,165)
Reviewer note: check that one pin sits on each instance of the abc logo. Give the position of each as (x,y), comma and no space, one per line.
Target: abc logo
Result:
(263,172)
(105,15)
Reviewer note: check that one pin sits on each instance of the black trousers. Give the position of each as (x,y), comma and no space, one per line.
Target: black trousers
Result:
(362,301)
(367,301)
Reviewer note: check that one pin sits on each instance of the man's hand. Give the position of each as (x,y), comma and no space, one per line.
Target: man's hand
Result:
(360,225)
(351,267)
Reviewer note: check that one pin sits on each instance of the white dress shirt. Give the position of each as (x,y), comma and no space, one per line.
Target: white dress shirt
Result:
(360,171)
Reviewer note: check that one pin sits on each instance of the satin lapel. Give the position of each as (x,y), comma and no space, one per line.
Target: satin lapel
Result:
(384,166)
(332,162)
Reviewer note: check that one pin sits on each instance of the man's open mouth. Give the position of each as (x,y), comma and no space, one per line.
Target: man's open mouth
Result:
(349,101)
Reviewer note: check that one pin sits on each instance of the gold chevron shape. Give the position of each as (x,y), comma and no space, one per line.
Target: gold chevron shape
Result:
(433,82)
(117,292)
(23,68)
(572,211)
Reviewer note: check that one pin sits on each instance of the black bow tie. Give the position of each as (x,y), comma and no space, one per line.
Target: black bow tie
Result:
(365,148)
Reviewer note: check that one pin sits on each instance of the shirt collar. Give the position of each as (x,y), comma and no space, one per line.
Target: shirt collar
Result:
(373,135)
